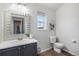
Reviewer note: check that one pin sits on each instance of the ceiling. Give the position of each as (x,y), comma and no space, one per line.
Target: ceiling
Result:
(48,5)
(51,5)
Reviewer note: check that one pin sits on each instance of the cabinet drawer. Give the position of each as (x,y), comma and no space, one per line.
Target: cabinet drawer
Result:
(9,51)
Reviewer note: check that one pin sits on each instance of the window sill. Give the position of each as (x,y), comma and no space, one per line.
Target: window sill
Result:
(41,29)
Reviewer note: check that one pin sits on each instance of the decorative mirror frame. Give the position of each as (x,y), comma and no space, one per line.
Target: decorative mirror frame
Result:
(18,18)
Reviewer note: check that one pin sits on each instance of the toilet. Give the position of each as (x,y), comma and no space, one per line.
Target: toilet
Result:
(56,45)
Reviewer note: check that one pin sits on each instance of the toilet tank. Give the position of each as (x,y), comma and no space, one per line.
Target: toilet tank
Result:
(52,39)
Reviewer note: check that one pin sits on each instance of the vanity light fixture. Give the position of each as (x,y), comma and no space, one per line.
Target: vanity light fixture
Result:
(19,9)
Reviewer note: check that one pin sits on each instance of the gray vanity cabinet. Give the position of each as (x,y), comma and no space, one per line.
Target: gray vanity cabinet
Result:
(14,51)
(23,50)
(29,50)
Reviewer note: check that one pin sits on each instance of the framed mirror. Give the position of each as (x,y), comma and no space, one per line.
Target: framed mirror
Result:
(16,25)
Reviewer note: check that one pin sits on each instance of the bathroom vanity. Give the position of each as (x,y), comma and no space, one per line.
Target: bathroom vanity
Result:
(16,23)
(25,47)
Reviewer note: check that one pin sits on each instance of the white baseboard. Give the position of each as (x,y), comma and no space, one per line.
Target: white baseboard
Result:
(45,50)
(63,49)
(70,52)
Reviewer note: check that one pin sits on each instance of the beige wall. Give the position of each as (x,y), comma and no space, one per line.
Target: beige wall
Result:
(67,26)
(1,26)
(42,35)
(2,8)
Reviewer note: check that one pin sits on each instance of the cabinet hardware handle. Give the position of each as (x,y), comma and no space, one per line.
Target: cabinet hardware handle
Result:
(24,46)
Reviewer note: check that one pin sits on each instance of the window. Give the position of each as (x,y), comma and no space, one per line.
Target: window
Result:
(41,21)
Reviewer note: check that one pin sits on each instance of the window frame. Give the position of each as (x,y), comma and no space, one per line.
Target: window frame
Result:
(45,21)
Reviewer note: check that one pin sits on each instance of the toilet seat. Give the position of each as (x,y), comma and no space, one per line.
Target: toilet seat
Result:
(58,45)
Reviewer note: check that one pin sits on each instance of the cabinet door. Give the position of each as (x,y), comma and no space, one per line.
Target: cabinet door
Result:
(10,52)
(29,50)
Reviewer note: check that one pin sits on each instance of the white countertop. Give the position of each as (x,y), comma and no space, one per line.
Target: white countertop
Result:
(12,43)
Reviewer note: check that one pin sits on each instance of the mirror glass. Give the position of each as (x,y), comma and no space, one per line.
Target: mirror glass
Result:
(18,25)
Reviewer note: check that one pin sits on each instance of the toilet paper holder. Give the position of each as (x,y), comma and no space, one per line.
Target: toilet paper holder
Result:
(74,41)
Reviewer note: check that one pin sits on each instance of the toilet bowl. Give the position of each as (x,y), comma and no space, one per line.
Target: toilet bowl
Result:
(59,45)
(56,45)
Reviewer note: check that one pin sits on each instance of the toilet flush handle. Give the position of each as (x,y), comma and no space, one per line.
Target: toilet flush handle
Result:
(74,41)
